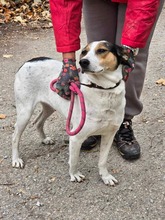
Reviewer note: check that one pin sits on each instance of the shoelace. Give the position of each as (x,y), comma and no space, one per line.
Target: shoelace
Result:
(126,132)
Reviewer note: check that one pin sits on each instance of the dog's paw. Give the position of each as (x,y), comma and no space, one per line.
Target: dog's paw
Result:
(48,141)
(18,163)
(109,180)
(77,177)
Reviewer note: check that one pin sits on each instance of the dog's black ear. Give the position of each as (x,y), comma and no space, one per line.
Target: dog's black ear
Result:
(123,59)
(119,50)
(123,55)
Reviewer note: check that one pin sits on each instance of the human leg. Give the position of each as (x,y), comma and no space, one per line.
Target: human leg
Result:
(125,139)
(100,20)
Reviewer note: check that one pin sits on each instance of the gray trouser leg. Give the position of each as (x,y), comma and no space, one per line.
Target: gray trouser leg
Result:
(104,21)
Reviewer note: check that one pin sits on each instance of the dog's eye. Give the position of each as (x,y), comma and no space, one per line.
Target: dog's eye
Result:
(84,52)
(101,50)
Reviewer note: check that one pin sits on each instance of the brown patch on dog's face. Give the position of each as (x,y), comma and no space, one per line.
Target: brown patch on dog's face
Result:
(107,59)
(85,51)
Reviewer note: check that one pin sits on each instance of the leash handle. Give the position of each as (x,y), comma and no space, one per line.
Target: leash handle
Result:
(74,90)
(52,85)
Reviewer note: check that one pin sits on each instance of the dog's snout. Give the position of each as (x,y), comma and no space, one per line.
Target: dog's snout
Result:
(84,63)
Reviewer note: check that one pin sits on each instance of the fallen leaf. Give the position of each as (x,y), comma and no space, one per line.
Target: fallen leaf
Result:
(37,1)
(161,81)
(7,56)
(3,2)
(52,179)
(34,197)
(19,19)
(161,121)
(115,171)
(25,12)
(2,116)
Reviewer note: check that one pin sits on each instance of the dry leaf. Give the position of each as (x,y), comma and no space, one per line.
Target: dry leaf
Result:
(25,11)
(160,121)
(161,81)
(3,2)
(34,197)
(2,116)
(19,19)
(7,56)
(52,179)
(115,171)
(37,1)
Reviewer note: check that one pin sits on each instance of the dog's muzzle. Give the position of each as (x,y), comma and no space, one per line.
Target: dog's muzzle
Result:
(84,63)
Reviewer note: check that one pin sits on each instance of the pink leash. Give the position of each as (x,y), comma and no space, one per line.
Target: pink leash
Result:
(74,90)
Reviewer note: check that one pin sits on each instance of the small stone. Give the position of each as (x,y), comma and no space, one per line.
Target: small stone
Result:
(39,204)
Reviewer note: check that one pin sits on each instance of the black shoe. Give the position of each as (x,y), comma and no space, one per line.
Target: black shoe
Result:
(90,142)
(126,142)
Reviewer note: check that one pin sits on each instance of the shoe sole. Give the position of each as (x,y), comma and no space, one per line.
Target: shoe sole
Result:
(133,157)
(89,147)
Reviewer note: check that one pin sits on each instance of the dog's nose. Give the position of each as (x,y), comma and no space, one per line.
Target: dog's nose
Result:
(84,63)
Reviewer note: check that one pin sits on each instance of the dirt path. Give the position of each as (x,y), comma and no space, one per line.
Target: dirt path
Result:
(42,190)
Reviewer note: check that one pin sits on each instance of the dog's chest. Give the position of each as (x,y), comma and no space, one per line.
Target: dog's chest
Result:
(103,106)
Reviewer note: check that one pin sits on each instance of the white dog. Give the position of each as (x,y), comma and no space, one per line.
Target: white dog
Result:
(104,94)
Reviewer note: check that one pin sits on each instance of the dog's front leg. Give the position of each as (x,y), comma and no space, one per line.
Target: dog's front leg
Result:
(74,151)
(106,142)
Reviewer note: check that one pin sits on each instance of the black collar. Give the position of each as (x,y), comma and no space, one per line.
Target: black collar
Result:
(93,85)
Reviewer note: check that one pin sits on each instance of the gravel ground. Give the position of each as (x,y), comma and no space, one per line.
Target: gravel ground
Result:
(42,190)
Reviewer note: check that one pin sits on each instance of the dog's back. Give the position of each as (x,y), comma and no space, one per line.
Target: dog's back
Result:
(32,81)
(35,72)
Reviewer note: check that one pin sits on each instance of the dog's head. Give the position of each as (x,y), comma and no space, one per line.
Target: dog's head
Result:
(99,56)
